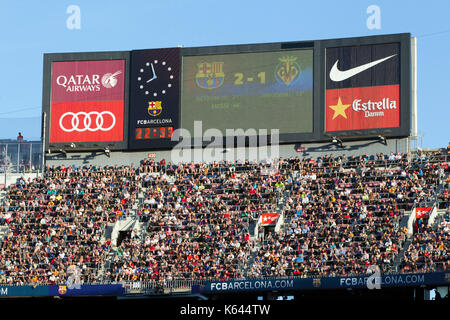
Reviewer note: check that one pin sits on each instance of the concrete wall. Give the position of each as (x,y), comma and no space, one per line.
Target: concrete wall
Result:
(313,150)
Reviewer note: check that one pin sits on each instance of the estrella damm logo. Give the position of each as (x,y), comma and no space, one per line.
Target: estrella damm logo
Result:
(288,70)
(62,289)
(316,282)
(154,108)
(209,75)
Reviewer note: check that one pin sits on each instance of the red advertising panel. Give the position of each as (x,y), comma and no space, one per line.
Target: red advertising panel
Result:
(88,80)
(87,101)
(423,212)
(86,121)
(363,108)
(269,218)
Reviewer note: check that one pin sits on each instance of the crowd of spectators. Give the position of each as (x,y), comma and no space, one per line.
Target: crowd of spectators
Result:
(429,250)
(57,221)
(342,214)
(197,226)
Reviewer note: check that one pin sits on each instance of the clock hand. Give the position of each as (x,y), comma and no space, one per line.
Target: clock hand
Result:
(154,74)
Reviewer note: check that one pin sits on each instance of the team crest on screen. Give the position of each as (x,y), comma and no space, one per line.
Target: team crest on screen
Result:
(62,289)
(154,108)
(288,70)
(316,282)
(447,277)
(210,75)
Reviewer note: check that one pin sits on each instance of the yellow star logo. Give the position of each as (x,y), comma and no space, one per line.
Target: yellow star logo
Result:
(339,109)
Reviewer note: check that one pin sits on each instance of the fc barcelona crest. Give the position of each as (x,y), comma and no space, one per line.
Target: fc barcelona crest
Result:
(154,108)
(62,289)
(210,75)
(288,70)
(316,282)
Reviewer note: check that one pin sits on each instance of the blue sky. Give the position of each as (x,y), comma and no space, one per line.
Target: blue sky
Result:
(29,29)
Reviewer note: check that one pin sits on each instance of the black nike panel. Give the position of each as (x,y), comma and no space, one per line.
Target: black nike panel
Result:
(384,73)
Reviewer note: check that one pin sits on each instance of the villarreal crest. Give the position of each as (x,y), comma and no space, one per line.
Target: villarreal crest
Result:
(287,70)
(209,75)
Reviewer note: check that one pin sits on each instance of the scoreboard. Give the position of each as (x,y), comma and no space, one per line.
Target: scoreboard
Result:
(309,91)
(263,90)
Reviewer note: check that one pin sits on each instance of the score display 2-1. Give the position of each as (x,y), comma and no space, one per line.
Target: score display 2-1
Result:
(153,133)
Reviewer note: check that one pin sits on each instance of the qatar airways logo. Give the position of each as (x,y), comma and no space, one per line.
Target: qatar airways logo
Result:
(88,83)
(374,108)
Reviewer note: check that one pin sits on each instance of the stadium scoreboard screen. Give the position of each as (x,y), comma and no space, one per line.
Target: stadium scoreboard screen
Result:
(263,90)
(308,91)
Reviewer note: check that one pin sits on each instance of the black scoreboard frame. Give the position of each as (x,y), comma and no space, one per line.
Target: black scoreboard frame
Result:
(318,133)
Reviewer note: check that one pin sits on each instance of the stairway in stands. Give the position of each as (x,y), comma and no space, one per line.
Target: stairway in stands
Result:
(281,203)
(399,259)
(251,259)
(133,219)
(439,217)
(109,228)
(3,229)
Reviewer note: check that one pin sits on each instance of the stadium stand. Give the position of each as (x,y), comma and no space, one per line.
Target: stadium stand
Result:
(429,249)
(57,221)
(344,214)
(341,214)
(197,227)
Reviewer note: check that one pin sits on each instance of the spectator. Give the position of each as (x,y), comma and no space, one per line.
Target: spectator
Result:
(19,138)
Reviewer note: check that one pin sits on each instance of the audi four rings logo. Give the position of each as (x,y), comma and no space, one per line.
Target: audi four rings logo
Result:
(98,118)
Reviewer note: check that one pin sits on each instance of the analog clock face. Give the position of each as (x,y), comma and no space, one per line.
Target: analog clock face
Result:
(155,78)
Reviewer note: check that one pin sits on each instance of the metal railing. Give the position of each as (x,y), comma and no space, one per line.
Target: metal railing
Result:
(159,287)
(21,157)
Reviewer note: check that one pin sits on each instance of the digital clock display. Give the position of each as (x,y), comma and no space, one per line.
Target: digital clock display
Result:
(153,133)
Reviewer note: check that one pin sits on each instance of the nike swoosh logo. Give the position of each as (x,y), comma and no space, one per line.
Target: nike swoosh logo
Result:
(338,75)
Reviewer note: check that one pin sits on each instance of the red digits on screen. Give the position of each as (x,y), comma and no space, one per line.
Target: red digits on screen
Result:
(138,133)
(151,133)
